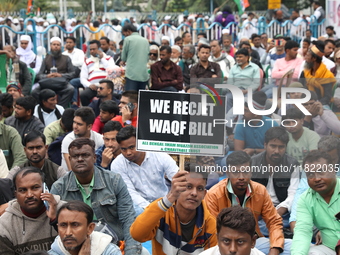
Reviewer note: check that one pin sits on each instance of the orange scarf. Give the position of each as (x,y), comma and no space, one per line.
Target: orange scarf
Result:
(321,77)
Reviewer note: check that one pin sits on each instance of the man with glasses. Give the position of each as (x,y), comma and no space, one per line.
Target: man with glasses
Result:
(92,71)
(153,55)
(318,206)
(239,190)
(128,108)
(104,93)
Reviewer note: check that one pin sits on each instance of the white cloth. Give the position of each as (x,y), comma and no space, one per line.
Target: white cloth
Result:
(48,117)
(97,138)
(298,27)
(3,165)
(320,250)
(287,203)
(115,34)
(91,70)
(77,57)
(317,12)
(53,39)
(248,28)
(99,242)
(146,182)
(26,55)
(329,63)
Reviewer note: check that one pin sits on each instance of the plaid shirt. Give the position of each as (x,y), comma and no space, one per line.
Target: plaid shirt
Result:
(99,153)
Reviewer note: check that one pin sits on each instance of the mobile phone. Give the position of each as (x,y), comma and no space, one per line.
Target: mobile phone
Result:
(278,42)
(54,69)
(45,190)
(337,216)
(131,106)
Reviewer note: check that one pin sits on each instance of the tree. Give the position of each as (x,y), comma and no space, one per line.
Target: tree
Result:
(8,5)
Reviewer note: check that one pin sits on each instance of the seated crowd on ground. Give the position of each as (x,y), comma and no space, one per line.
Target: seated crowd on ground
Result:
(73,182)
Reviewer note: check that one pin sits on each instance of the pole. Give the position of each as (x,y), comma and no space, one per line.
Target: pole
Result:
(211,6)
(61,7)
(65,10)
(93,8)
(105,8)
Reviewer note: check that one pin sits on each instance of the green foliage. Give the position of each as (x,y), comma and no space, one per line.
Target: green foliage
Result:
(8,5)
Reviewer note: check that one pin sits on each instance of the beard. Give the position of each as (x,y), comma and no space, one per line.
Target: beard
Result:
(151,62)
(175,60)
(227,48)
(309,65)
(56,53)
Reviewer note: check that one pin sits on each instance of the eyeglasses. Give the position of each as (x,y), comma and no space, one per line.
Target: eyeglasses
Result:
(153,54)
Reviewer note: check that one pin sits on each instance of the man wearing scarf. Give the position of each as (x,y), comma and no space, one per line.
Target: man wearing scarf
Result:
(57,65)
(318,78)
(223,59)
(26,55)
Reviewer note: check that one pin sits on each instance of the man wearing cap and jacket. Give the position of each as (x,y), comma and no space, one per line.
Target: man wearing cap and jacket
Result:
(57,65)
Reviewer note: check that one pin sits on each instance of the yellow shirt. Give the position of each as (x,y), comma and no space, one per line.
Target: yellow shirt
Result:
(96,36)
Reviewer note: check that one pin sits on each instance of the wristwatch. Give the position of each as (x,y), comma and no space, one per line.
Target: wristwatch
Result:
(128,122)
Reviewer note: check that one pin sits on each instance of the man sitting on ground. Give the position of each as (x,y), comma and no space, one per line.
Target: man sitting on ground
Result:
(235,233)
(104,191)
(33,222)
(76,232)
(56,65)
(239,190)
(301,139)
(59,127)
(165,74)
(11,145)
(128,108)
(180,221)
(82,125)
(47,110)
(143,172)
(110,150)
(104,93)
(36,149)
(23,120)
(282,184)
(318,206)
(108,110)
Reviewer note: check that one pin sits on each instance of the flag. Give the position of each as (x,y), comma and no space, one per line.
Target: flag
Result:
(241,5)
(29,6)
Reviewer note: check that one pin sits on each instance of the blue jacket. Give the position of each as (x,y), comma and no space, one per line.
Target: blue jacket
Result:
(111,203)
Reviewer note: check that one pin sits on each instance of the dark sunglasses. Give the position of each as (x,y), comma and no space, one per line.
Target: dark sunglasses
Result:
(153,54)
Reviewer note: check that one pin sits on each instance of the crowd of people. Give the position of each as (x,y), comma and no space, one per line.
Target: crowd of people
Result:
(72,181)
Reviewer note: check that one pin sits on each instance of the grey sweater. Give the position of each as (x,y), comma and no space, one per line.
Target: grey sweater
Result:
(20,233)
